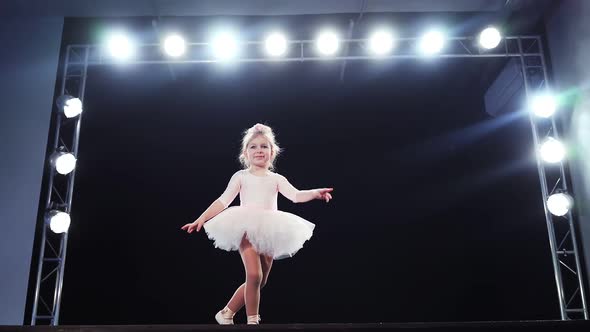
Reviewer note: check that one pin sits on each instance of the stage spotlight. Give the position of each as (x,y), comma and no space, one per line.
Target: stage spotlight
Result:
(381,42)
(174,45)
(276,44)
(120,47)
(328,43)
(432,42)
(543,105)
(552,150)
(490,38)
(63,162)
(224,46)
(559,204)
(69,105)
(59,222)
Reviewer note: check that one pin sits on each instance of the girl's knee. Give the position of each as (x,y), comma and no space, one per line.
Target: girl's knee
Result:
(254,277)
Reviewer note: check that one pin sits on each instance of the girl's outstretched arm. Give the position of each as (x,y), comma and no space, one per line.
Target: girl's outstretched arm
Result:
(302,196)
(214,209)
(220,204)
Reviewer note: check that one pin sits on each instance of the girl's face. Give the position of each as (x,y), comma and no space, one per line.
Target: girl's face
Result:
(259,152)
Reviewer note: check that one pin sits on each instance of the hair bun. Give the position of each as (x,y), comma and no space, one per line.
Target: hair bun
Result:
(260,128)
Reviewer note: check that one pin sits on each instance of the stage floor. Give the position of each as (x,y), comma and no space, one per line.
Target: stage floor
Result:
(578,325)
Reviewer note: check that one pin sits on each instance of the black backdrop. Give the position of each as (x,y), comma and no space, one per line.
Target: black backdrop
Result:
(437,212)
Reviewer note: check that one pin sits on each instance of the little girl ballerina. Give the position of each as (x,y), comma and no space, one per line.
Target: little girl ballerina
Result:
(259,231)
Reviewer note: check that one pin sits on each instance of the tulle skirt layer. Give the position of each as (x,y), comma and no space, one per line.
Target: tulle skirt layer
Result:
(271,232)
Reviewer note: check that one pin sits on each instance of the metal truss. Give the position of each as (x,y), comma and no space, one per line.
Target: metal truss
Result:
(562,231)
(528,49)
(303,50)
(52,255)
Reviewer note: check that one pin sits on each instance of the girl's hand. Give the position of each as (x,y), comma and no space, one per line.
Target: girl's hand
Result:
(196,225)
(324,194)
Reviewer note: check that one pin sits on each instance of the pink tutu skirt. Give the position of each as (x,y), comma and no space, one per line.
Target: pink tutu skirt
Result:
(271,232)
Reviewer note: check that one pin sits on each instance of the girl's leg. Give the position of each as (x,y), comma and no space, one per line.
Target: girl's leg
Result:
(249,292)
(266,262)
(237,301)
(253,268)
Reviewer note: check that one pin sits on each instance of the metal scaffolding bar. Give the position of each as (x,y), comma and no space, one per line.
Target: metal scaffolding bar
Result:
(569,286)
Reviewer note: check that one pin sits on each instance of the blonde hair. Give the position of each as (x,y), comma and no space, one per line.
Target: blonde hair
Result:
(259,130)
